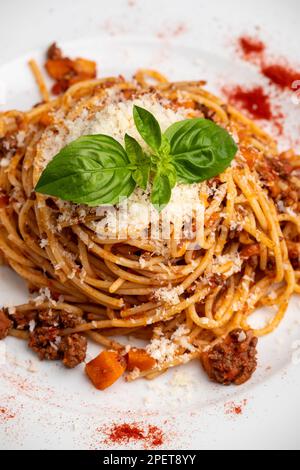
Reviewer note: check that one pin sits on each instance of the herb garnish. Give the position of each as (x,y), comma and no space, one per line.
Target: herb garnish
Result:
(96,169)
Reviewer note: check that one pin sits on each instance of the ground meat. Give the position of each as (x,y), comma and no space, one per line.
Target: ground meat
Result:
(58,318)
(234,360)
(54,52)
(43,341)
(21,320)
(216,280)
(282,166)
(207,112)
(47,318)
(5,325)
(69,320)
(47,343)
(8,144)
(73,348)
(250,250)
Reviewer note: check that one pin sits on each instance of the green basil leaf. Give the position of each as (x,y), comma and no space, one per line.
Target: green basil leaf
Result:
(170,171)
(141,176)
(200,149)
(161,191)
(92,170)
(148,127)
(138,158)
(165,147)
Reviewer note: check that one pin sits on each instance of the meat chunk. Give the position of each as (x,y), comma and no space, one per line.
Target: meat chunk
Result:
(250,250)
(48,344)
(73,348)
(47,318)
(58,318)
(54,52)
(69,320)
(45,342)
(282,166)
(21,319)
(234,360)
(5,325)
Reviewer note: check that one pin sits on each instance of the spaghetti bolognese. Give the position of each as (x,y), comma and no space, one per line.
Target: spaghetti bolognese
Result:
(95,274)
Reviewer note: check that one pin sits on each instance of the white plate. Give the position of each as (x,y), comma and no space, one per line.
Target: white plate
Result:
(54,408)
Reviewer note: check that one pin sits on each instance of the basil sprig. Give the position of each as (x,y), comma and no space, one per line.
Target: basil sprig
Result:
(96,169)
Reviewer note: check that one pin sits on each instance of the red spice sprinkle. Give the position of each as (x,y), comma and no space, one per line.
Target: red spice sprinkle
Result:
(237,410)
(280,75)
(156,435)
(5,414)
(250,45)
(123,433)
(232,408)
(254,100)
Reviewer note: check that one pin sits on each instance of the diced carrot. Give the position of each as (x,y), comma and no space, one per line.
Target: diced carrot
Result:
(139,358)
(85,68)
(59,68)
(105,369)
(67,71)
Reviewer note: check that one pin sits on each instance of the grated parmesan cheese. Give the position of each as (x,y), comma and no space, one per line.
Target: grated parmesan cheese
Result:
(130,218)
(20,138)
(134,374)
(114,119)
(44,295)
(12,310)
(272,295)
(164,350)
(4,162)
(286,210)
(242,337)
(43,242)
(181,379)
(168,295)
(32,366)
(251,300)
(58,266)
(82,275)
(126,349)
(142,262)
(32,326)
(72,274)
(223,259)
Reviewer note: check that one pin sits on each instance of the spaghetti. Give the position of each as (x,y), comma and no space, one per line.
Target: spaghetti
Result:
(183,296)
